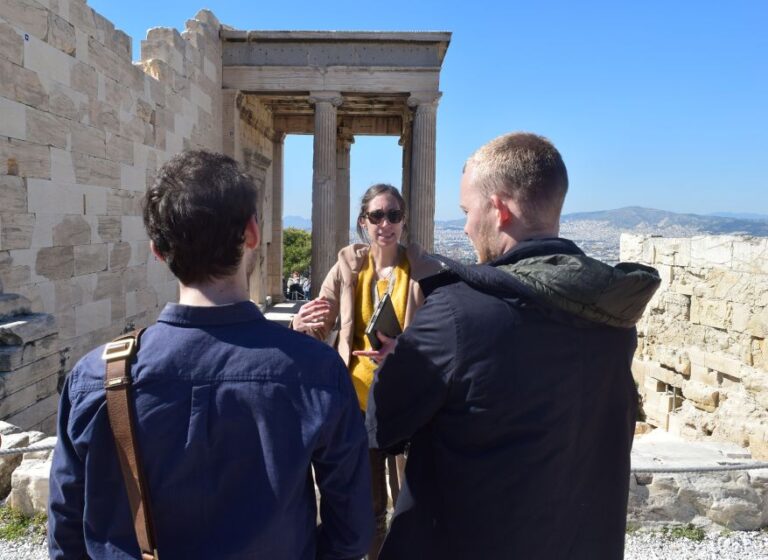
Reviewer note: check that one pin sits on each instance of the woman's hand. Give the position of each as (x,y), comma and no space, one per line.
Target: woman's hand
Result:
(377,356)
(312,315)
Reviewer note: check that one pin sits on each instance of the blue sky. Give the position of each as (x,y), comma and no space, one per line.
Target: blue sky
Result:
(657,103)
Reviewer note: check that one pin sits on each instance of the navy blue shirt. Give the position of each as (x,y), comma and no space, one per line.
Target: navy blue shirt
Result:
(232,411)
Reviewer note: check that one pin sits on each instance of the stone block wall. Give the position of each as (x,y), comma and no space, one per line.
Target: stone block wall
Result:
(31,365)
(702,358)
(253,147)
(83,130)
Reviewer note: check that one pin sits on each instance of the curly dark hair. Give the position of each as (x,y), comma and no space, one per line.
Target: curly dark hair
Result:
(196,212)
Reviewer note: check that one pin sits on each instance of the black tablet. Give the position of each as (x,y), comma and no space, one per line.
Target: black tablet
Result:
(383,320)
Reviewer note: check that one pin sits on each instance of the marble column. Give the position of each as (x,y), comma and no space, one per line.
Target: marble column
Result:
(343,144)
(405,188)
(230,120)
(275,256)
(422,184)
(323,185)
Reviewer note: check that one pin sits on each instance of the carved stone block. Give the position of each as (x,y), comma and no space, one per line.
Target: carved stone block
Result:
(31,160)
(84,79)
(14,357)
(91,170)
(109,229)
(72,230)
(61,34)
(46,128)
(13,193)
(16,230)
(120,256)
(11,44)
(13,304)
(55,263)
(90,258)
(24,329)
(108,285)
(22,85)
(27,15)
(119,149)
(88,140)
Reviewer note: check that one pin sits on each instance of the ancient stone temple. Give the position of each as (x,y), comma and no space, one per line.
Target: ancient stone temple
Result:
(83,131)
(334,85)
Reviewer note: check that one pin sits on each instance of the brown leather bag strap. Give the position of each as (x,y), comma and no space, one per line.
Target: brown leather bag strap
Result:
(117,382)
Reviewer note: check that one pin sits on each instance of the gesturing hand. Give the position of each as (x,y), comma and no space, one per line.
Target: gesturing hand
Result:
(377,356)
(312,315)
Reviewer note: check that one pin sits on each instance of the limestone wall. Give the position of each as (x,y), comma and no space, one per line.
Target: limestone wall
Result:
(82,132)
(702,359)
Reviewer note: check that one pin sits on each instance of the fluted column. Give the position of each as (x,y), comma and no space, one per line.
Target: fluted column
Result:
(275,256)
(422,185)
(343,144)
(405,188)
(323,185)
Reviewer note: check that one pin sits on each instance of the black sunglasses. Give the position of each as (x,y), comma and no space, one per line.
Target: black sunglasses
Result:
(393,216)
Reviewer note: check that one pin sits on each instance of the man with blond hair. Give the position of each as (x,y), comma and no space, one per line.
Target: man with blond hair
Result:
(512,385)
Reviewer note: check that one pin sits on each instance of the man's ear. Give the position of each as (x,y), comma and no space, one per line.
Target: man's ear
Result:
(252,233)
(158,256)
(503,212)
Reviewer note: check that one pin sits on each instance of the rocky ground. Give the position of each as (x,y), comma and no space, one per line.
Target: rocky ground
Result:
(751,545)
(741,545)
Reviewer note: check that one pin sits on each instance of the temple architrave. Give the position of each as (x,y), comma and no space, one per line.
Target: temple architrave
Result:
(335,86)
(83,130)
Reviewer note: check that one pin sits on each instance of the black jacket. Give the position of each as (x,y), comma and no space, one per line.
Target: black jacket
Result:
(513,387)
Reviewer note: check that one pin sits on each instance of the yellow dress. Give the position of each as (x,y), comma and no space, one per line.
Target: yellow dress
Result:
(362,368)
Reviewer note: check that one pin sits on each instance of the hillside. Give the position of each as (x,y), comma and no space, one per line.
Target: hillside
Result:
(638,218)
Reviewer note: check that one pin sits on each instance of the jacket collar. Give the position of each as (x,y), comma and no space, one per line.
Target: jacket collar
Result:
(194,316)
(352,257)
(536,248)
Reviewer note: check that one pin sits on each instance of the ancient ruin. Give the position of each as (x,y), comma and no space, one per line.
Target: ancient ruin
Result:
(702,358)
(83,130)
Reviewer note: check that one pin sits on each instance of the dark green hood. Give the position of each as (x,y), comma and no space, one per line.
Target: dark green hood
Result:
(556,274)
(588,288)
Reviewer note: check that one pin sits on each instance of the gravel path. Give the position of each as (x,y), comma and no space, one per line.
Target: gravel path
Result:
(640,546)
(734,546)
(24,549)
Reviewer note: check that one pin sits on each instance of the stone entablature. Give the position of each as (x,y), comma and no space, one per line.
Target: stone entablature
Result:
(702,357)
(336,85)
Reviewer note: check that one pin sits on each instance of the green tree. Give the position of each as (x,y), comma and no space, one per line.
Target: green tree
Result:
(297,251)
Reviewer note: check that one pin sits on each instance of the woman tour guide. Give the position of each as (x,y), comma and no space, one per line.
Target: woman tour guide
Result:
(362,275)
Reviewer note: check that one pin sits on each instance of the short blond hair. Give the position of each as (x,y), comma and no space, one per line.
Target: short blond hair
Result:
(526,168)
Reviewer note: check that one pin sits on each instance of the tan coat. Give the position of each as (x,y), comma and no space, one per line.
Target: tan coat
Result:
(341,282)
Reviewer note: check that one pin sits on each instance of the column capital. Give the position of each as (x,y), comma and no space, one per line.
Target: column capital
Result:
(332,97)
(278,136)
(344,136)
(424,99)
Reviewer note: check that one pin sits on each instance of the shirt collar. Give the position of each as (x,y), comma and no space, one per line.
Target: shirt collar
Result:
(240,312)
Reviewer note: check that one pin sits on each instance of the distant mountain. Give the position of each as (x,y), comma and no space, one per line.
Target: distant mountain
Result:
(741,215)
(632,218)
(636,217)
(297,222)
(451,224)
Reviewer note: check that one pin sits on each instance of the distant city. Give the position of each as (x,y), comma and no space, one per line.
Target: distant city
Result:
(598,233)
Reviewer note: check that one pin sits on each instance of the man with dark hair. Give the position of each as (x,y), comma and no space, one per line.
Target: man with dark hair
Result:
(513,383)
(232,412)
